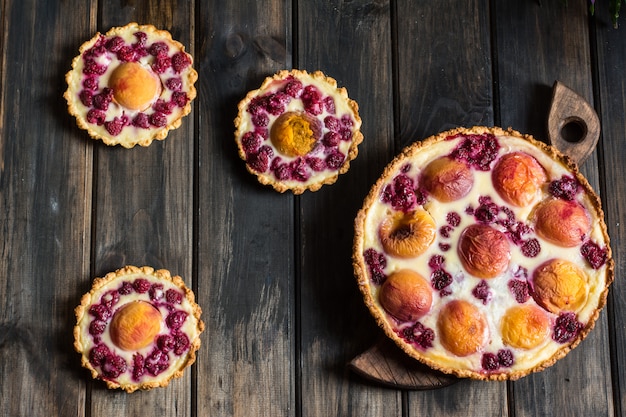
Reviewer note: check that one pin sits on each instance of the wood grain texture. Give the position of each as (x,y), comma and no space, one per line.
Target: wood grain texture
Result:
(558,53)
(245,257)
(46,179)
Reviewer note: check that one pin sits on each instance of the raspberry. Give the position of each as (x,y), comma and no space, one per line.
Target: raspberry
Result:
(115,126)
(126,288)
(158,119)
(138,366)
(141,38)
(159,49)
(175,319)
(96,117)
(115,44)
(376,263)
(453,219)
(565,188)
(110,298)
(101,312)
(312,100)
(97,327)
(260,120)
(141,120)
(347,121)
(436,261)
(316,164)
(141,285)
(113,366)
(181,343)
(329,105)
(566,327)
(156,362)
(275,103)
(101,101)
(165,343)
(161,64)
(440,279)
(163,106)
(127,54)
(156,292)
(505,357)
(174,84)
(335,159)
(444,246)
(282,172)
(478,151)
(481,292)
(260,161)
(250,142)
(91,67)
(331,139)
(487,211)
(257,105)
(173,297)
(594,254)
(299,170)
(180,61)
(332,123)
(294,88)
(98,354)
(419,335)
(86,97)
(490,362)
(346,134)
(445,230)
(531,248)
(91,83)
(400,193)
(520,290)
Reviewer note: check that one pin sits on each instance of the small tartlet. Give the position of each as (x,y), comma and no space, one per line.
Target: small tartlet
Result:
(131,86)
(483,253)
(298,131)
(137,328)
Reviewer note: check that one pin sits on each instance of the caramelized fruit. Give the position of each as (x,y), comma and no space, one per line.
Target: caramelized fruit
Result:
(295,134)
(134,86)
(564,223)
(484,251)
(518,177)
(407,235)
(560,285)
(525,326)
(447,179)
(463,328)
(135,325)
(406,295)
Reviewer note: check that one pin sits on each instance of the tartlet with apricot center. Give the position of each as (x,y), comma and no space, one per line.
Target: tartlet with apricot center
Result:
(137,328)
(483,253)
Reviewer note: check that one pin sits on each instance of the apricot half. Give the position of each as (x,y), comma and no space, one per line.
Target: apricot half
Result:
(518,177)
(135,325)
(295,134)
(562,222)
(406,295)
(447,179)
(134,86)
(407,235)
(525,326)
(560,285)
(484,251)
(462,327)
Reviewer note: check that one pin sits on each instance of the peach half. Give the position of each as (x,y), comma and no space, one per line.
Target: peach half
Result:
(447,179)
(135,325)
(462,328)
(484,251)
(562,222)
(518,177)
(134,86)
(525,326)
(560,285)
(406,295)
(295,133)
(407,235)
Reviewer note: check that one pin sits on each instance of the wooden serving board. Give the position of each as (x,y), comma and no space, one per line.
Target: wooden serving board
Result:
(574,129)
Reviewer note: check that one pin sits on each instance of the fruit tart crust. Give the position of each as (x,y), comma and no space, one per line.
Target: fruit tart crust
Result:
(328,179)
(76,108)
(361,269)
(161,274)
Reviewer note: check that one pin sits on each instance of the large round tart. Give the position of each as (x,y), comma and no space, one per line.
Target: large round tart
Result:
(131,85)
(298,131)
(483,253)
(137,328)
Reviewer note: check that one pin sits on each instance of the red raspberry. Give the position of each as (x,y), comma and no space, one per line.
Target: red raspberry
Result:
(180,61)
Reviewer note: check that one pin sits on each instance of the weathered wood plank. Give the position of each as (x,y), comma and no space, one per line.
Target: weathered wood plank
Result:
(444,81)
(143,207)
(45,180)
(536,46)
(611,53)
(245,230)
(349,41)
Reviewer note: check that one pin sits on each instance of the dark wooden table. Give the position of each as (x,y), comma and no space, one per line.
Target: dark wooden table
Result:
(273,271)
